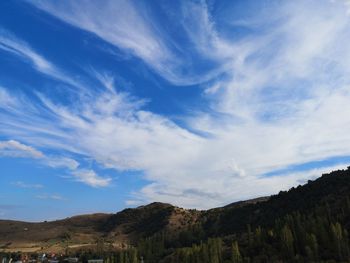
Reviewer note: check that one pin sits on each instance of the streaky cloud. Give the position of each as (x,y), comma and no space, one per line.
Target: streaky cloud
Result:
(283,100)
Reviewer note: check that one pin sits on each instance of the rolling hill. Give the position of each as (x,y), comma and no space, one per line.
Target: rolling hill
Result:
(309,217)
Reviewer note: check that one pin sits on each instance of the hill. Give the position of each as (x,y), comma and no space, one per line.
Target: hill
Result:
(125,227)
(307,223)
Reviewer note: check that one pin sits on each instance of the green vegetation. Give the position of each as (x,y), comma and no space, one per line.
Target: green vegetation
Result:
(310,223)
(306,224)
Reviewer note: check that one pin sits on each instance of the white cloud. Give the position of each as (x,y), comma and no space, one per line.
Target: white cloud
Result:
(284,101)
(56,197)
(16,149)
(119,23)
(6,101)
(89,177)
(128,26)
(16,46)
(57,162)
(134,202)
(25,185)
(10,43)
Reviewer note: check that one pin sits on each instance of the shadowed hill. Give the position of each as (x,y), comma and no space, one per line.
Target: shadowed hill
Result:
(126,226)
(325,199)
(330,190)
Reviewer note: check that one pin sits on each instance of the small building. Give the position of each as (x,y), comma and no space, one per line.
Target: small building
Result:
(71,260)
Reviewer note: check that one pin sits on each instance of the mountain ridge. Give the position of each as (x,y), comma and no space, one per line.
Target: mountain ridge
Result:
(323,203)
(40,236)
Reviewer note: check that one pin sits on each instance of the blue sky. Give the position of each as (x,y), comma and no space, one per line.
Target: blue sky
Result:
(113,104)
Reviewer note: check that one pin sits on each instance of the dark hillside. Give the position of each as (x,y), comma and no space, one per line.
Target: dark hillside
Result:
(309,223)
(330,190)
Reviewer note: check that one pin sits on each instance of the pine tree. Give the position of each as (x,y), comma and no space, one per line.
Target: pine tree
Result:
(287,241)
(236,255)
(312,247)
(121,257)
(337,234)
(133,255)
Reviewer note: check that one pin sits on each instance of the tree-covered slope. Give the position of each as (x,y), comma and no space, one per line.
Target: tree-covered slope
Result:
(309,223)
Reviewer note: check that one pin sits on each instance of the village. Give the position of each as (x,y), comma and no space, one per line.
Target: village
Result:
(44,258)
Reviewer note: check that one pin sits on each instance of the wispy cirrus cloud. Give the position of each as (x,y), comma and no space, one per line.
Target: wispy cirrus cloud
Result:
(283,101)
(12,44)
(123,26)
(129,27)
(16,149)
(89,177)
(21,184)
(56,197)
(59,162)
